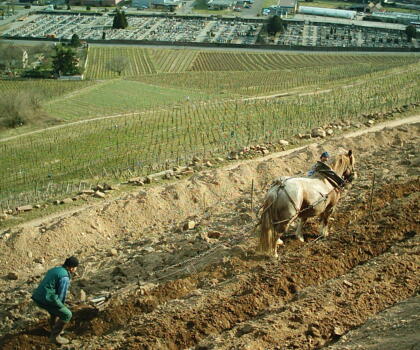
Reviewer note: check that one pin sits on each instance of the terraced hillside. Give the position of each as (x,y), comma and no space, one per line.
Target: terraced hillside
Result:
(165,111)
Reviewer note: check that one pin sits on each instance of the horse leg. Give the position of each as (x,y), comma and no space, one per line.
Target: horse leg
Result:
(301,223)
(324,222)
(278,241)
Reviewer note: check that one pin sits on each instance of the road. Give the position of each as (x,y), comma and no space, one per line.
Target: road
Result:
(255,9)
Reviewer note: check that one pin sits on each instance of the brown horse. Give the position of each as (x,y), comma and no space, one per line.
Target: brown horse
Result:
(292,198)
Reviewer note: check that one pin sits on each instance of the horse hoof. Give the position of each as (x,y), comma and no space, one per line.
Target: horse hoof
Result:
(279,242)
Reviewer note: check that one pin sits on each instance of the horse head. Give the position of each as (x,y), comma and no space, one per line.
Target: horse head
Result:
(344,166)
(349,173)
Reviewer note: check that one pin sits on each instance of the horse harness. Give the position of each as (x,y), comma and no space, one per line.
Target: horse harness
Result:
(282,185)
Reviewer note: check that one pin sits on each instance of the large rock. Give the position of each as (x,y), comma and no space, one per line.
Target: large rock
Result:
(67,201)
(24,208)
(88,192)
(318,132)
(113,252)
(12,276)
(189,225)
(214,234)
(135,180)
(304,136)
(99,194)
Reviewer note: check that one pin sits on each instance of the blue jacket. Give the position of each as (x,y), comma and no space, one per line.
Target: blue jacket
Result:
(53,288)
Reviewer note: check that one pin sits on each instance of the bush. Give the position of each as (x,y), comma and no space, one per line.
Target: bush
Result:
(19,108)
(87,8)
(37,73)
(13,121)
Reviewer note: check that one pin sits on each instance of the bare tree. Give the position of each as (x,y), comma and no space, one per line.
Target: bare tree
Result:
(118,64)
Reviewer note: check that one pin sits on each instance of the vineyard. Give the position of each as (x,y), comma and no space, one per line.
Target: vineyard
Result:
(257,83)
(170,77)
(41,166)
(98,58)
(119,97)
(150,61)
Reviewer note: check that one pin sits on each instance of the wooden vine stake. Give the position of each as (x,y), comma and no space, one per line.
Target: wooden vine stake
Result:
(371,194)
(252,196)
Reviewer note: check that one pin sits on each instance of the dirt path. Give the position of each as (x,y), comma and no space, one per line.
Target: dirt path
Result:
(165,286)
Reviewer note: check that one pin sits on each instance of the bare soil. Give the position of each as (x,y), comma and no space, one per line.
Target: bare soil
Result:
(164,286)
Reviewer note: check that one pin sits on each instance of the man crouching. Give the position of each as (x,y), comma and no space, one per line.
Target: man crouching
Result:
(51,295)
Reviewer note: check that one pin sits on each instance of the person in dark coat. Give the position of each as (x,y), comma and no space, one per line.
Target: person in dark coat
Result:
(322,167)
(51,296)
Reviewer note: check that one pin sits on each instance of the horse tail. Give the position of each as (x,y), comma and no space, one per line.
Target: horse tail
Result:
(267,233)
(278,210)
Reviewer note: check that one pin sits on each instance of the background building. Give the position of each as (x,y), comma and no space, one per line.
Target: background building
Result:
(94,2)
(285,7)
(321,11)
(395,17)
(221,4)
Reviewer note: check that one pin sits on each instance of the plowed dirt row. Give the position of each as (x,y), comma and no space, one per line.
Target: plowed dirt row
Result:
(321,315)
(235,299)
(245,297)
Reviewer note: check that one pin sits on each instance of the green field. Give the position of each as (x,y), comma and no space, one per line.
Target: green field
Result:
(183,103)
(117,97)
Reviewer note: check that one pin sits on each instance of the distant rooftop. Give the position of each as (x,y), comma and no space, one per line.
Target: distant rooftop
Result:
(287,3)
(165,2)
(221,2)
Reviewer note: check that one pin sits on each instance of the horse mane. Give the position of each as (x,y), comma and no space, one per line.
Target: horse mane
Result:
(340,163)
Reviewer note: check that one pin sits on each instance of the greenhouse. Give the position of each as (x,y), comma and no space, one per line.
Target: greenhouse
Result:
(320,11)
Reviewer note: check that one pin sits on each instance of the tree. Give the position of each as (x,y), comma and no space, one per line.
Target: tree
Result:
(10,56)
(120,20)
(65,61)
(118,64)
(75,41)
(411,32)
(275,25)
(124,19)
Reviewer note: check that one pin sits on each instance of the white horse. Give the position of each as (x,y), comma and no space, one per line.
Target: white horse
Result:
(292,198)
